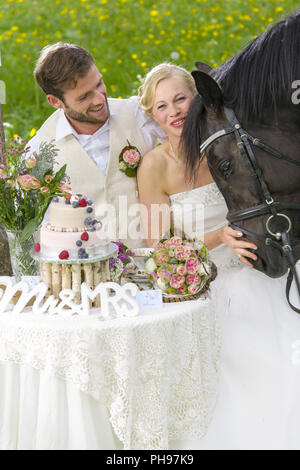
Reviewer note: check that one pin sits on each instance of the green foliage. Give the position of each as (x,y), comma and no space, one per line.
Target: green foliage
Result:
(126,37)
(27,185)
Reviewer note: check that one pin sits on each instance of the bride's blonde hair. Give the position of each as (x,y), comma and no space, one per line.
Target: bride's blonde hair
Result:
(160,72)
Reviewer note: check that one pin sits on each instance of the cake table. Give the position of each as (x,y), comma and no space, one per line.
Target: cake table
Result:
(90,383)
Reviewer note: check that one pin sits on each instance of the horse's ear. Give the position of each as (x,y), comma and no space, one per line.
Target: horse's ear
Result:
(209,90)
(204,67)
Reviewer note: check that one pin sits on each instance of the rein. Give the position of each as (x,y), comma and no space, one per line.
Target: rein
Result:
(280,240)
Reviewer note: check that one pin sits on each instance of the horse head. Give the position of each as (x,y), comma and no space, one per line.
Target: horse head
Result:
(213,128)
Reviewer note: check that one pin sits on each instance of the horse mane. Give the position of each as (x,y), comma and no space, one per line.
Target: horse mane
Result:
(259,78)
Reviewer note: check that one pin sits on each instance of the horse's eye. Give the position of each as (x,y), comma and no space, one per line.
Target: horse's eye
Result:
(225,167)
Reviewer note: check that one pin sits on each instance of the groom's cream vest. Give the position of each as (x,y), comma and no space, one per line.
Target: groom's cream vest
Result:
(114,194)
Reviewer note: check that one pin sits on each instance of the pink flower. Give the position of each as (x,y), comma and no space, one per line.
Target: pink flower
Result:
(48,178)
(3,173)
(173,242)
(131,157)
(176,281)
(161,256)
(182,252)
(28,182)
(159,246)
(35,183)
(193,289)
(193,279)
(170,268)
(65,188)
(30,162)
(182,289)
(181,270)
(192,265)
(44,189)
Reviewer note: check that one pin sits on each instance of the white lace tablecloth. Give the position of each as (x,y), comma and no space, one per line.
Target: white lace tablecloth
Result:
(155,373)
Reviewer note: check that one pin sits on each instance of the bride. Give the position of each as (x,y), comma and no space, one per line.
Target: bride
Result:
(258,406)
(166,95)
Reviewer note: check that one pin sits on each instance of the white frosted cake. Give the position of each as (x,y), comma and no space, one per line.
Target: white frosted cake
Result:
(72,232)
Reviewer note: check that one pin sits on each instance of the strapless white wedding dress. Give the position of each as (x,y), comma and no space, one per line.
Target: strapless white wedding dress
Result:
(206,203)
(259,377)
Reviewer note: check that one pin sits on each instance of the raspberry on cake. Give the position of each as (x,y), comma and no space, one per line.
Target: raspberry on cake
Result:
(69,222)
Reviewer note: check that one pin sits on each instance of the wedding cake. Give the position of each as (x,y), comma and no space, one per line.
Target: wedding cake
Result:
(72,231)
(72,247)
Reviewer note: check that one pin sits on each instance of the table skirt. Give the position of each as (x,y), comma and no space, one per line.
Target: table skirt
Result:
(42,412)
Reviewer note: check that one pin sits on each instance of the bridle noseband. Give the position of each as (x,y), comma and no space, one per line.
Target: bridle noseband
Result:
(281,239)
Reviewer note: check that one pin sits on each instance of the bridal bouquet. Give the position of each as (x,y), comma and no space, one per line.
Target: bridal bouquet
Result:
(27,185)
(178,266)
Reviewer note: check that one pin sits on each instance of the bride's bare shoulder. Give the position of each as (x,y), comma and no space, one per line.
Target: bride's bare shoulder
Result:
(155,159)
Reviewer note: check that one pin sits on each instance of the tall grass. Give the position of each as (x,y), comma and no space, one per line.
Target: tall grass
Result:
(126,38)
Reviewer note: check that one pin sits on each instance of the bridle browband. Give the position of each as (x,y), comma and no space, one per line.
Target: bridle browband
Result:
(280,240)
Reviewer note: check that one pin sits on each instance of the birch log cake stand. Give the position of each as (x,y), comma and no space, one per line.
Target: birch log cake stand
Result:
(69,274)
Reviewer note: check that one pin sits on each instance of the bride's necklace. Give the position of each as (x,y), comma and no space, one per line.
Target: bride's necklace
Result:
(180,162)
(177,160)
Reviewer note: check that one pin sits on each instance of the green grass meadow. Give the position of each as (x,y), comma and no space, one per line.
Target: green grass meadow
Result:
(127,38)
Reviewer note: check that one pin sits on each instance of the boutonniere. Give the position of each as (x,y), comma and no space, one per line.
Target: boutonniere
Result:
(129,160)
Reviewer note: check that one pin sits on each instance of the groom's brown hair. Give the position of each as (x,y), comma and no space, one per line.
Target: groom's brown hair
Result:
(59,67)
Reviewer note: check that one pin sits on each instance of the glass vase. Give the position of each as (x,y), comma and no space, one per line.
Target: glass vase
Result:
(22,262)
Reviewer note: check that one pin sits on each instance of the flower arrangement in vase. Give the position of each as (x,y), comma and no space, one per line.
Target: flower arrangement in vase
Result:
(28,183)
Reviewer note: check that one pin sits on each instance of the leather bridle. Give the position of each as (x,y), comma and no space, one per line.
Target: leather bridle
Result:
(281,239)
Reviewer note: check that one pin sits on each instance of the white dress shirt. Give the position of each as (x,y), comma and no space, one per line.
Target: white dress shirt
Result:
(97,144)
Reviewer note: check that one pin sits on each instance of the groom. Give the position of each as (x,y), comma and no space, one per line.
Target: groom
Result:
(91,131)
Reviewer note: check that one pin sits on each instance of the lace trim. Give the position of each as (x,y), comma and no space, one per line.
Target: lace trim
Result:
(207,195)
(157,374)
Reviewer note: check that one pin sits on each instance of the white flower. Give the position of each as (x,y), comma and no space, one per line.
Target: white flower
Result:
(175,55)
(150,265)
(161,284)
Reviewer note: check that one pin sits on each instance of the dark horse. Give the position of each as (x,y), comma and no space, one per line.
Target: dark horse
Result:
(247,120)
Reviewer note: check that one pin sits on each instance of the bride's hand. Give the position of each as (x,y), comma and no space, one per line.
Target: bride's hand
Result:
(239,247)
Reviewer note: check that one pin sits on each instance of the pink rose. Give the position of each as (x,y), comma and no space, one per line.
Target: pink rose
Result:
(193,279)
(44,189)
(161,256)
(28,182)
(193,289)
(181,270)
(192,265)
(176,281)
(173,242)
(182,290)
(131,157)
(159,246)
(48,178)
(30,162)
(182,252)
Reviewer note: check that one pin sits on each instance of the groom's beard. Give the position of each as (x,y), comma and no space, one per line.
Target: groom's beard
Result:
(86,117)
